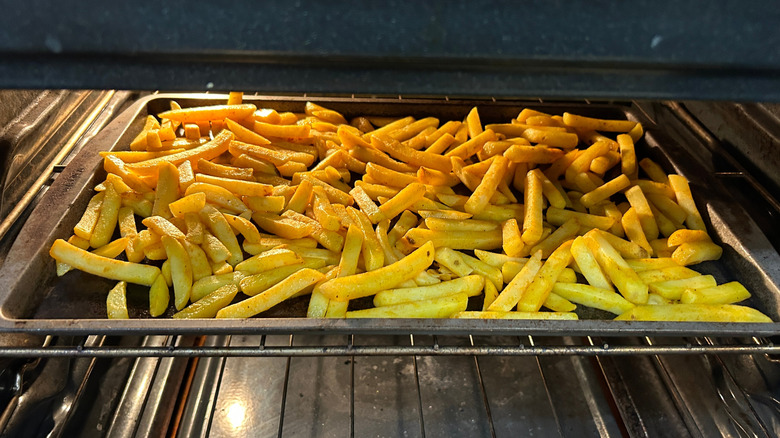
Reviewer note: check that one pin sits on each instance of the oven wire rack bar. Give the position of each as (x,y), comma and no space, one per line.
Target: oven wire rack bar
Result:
(592,348)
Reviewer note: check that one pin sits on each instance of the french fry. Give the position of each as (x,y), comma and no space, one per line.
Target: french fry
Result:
(487,187)
(622,276)
(691,253)
(159,296)
(211,283)
(588,265)
(237,187)
(442,307)
(90,217)
(640,265)
(513,244)
(565,232)
(208,151)
(455,239)
(627,249)
(471,285)
(453,261)
(653,170)
(509,297)
(207,113)
(532,223)
(688,236)
(271,259)
(589,123)
(281,226)
(594,297)
(387,277)
(272,296)
(516,315)
(107,220)
(245,227)
(116,302)
(684,198)
(561,139)
(218,195)
(163,227)
(208,306)
(220,228)
(537,292)
(605,191)
(102,266)
(181,271)
(558,217)
(675,272)
(633,229)
(557,303)
(728,293)
(373,256)
(674,289)
(694,312)
(471,147)
(192,203)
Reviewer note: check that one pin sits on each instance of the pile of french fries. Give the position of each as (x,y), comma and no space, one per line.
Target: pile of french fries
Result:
(238,209)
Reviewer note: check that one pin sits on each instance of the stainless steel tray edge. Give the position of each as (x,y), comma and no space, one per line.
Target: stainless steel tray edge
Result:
(53,217)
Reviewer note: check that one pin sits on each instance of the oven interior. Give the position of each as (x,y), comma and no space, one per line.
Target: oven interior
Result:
(712,90)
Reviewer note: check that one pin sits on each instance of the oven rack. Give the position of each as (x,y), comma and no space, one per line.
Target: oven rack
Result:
(419,345)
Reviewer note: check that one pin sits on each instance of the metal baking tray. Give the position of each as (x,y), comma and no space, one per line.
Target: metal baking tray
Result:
(34,300)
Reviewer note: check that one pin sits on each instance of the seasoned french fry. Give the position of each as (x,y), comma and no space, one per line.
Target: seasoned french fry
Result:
(537,292)
(622,276)
(442,307)
(487,187)
(565,232)
(728,293)
(455,239)
(208,306)
(691,253)
(271,259)
(471,285)
(558,217)
(208,151)
(640,265)
(589,123)
(207,113)
(219,226)
(272,296)
(116,302)
(682,192)
(511,294)
(633,229)
(674,289)
(516,315)
(402,200)
(675,272)
(453,261)
(588,265)
(387,277)
(532,223)
(373,255)
(102,266)
(90,217)
(594,297)
(694,312)
(605,191)
(106,222)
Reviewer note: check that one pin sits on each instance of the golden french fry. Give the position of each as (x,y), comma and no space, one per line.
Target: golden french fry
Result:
(532,224)
(402,200)
(442,307)
(594,297)
(455,239)
(728,293)
(350,254)
(208,306)
(209,284)
(605,191)
(633,228)
(640,265)
(471,285)
(588,265)
(627,249)
(163,227)
(208,151)
(516,315)
(107,220)
(453,261)
(691,253)
(558,217)
(682,192)
(181,271)
(101,266)
(272,296)
(207,113)
(318,303)
(685,236)
(694,312)
(675,272)
(90,217)
(217,195)
(537,292)
(192,203)
(255,284)
(564,233)
(622,276)
(387,277)
(116,302)
(271,259)
(513,244)
(471,147)
(557,303)
(220,228)
(511,294)
(674,289)
(589,123)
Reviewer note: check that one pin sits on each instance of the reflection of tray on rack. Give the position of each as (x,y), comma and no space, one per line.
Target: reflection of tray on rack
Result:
(33,299)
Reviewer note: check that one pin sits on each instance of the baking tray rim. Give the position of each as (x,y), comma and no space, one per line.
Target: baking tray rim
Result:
(302,325)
